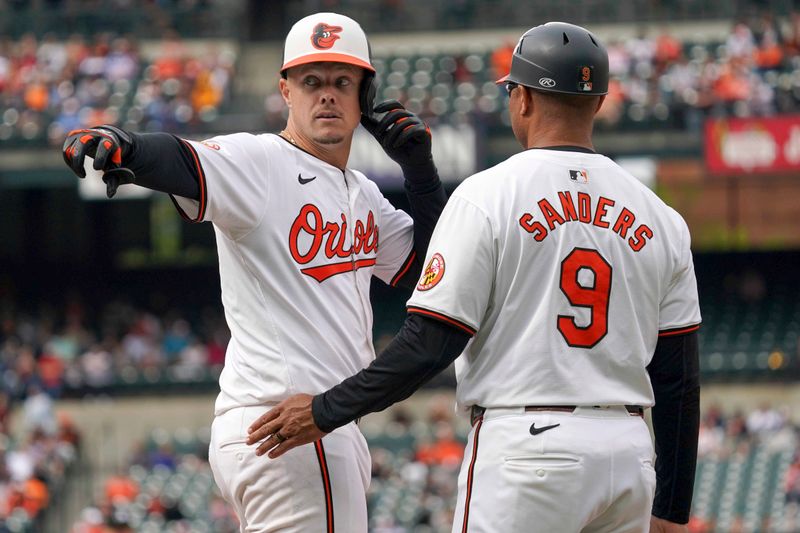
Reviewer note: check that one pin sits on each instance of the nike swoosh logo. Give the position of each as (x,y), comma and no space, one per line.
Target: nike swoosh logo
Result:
(303,180)
(536,431)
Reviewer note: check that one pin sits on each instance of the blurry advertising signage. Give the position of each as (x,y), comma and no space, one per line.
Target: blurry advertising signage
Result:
(753,145)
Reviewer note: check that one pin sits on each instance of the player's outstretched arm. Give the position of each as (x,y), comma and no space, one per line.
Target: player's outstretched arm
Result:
(675,376)
(158,161)
(407,140)
(423,348)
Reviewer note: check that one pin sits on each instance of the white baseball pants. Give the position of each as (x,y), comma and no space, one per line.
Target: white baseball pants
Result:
(316,488)
(592,473)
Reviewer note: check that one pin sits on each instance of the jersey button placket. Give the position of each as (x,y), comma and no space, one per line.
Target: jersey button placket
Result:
(350,225)
(352,192)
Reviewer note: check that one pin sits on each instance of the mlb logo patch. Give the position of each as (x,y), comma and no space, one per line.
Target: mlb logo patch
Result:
(581,176)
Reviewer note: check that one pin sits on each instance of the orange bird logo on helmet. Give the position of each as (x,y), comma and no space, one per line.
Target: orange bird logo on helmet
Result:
(324,35)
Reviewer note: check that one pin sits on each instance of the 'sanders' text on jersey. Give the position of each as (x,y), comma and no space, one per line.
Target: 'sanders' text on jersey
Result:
(330,239)
(583,208)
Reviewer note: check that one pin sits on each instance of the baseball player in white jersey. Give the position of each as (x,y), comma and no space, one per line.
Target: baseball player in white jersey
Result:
(569,288)
(299,237)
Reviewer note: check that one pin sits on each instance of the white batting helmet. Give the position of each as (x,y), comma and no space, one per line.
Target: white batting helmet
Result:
(326,37)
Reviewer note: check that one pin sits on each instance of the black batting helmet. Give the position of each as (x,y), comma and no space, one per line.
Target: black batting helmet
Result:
(560,58)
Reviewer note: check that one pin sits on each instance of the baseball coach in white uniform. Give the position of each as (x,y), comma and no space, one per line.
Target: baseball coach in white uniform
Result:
(568,289)
(299,236)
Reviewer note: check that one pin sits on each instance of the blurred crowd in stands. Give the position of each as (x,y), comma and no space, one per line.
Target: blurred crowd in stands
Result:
(657,78)
(723,435)
(68,350)
(49,87)
(56,352)
(754,72)
(34,463)
(748,471)
(166,487)
(168,484)
(415,465)
(415,462)
(792,481)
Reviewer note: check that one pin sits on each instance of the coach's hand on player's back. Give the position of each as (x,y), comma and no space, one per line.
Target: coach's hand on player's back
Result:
(287,425)
(403,136)
(659,525)
(107,145)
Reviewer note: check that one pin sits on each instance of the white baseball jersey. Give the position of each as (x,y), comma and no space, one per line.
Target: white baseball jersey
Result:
(298,242)
(567,269)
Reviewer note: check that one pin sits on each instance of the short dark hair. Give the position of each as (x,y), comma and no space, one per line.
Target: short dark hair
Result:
(570,101)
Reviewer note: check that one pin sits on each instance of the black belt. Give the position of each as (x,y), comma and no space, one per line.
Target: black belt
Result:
(477,411)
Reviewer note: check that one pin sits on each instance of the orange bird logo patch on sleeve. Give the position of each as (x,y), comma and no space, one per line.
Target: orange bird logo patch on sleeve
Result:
(433,273)
(324,35)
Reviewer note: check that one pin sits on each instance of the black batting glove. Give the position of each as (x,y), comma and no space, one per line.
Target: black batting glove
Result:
(405,138)
(108,145)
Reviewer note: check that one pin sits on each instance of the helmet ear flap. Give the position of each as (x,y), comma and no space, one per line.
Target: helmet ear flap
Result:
(367,91)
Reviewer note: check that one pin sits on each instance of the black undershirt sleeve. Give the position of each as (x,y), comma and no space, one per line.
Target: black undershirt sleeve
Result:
(164,163)
(423,348)
(675,376)
(427,200)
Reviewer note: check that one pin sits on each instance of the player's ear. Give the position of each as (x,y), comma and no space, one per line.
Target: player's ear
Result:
(526,101)
(283,86)
(600,103)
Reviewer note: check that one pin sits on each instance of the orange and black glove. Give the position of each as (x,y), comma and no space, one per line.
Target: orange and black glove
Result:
(108,145)
(405,138)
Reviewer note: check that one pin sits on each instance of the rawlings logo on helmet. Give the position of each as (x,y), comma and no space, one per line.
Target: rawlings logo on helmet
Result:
(324,35)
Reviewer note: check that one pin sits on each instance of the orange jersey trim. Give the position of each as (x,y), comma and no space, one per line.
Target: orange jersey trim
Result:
(402,272)
(443,318)
(326,484)
(678,331)
(470,475)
